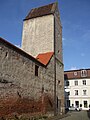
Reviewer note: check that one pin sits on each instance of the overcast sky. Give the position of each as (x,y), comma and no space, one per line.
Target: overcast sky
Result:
(75,19)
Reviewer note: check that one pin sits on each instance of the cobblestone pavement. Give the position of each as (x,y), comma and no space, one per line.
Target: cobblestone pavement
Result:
(82,115)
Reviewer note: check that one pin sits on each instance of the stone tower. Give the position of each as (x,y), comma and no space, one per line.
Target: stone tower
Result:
(42,31)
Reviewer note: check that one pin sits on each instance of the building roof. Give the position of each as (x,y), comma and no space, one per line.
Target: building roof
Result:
(44,58)
(41,11)
(77,74)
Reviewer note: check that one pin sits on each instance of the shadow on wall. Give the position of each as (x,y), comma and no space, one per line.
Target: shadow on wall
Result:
(88,113)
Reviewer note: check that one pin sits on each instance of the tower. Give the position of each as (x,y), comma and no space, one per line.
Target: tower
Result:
(42,31)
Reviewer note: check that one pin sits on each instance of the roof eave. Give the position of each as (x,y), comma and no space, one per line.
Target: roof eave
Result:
(38,16)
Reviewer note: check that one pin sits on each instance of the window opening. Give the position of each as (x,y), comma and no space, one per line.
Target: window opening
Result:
(84,92)
(84,82)
(76,83)
(76,92)
(36,70)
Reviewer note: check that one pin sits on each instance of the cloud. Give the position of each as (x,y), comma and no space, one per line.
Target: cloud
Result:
(63,40)
(73,68)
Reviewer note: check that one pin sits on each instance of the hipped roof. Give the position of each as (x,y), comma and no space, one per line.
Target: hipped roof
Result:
(41,11)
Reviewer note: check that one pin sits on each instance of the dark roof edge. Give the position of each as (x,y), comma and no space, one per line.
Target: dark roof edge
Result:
(20,51)
(39,16)
(51,12)
(44,5)
(77,70)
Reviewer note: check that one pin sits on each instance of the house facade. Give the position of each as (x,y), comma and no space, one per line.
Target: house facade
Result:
(32,78)
(77,88)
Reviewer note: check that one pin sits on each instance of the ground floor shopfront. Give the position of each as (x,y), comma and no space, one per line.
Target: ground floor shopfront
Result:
(81,103)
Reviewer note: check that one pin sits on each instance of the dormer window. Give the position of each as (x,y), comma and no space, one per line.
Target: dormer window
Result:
(83,73)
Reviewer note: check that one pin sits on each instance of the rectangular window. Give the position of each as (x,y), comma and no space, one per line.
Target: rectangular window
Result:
(76,83)
(84,82)
(76,92)
(85,104)
(36,70)
(84,92)
(67,83)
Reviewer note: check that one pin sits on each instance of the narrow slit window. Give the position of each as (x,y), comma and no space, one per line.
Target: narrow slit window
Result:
(36,70)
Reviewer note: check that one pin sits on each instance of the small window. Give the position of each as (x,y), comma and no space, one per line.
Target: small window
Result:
(76,92)
(76,83)
(36,70)
(84,92)
(84,82)
(59,82)
(6,54)
(83,73)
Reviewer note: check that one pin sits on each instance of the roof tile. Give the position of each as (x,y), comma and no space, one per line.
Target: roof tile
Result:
(44,58)
(44,10)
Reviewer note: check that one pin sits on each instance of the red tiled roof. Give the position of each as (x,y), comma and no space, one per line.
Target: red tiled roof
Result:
(44,58)
(41,11)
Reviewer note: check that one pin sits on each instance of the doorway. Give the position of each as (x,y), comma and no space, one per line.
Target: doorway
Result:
(77,103)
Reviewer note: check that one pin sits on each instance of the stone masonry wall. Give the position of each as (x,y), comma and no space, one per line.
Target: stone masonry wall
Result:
(59,63)
(58,36)
(20,90)
(60,87)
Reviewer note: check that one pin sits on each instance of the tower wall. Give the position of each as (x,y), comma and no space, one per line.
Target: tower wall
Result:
(59,62)
(44,34)
(58,36)
(38,35)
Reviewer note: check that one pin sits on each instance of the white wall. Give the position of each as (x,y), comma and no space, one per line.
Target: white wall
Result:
(80,97)
(38,34)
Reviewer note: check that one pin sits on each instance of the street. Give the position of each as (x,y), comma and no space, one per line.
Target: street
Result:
(74,115)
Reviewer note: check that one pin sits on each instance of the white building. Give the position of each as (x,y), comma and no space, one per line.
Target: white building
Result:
(77,88)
